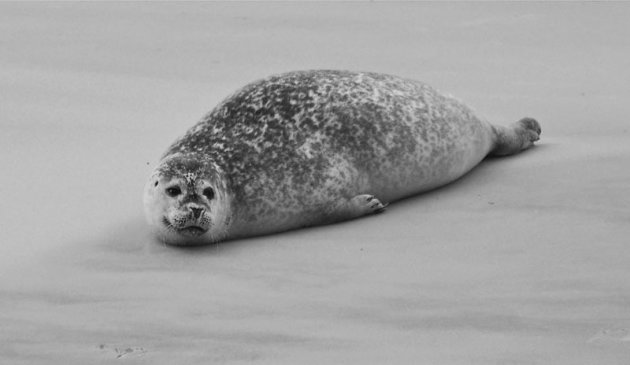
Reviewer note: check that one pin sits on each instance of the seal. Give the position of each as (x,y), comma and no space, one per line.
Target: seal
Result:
(316,147)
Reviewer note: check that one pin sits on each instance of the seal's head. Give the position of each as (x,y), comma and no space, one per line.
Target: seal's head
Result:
(187,202)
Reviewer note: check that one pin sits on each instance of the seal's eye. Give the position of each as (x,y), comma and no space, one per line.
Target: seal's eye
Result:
(208,193)
(173,191)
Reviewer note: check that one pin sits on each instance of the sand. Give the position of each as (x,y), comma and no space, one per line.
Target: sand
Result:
(523,261)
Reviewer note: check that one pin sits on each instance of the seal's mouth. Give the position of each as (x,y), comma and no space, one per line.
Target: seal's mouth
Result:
(192,231)
(188,231)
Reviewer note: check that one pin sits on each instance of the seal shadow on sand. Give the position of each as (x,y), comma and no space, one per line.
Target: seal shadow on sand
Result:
(135,235)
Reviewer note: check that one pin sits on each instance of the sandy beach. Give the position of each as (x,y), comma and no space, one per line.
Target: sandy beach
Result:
(525,260)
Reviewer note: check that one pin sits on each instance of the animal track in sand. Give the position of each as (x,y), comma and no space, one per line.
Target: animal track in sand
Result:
(122,352)
(611,335)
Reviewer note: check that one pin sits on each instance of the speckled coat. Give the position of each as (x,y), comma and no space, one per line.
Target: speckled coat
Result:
(293,147)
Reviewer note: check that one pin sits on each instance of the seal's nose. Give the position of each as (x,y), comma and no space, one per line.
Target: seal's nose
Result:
(196,212)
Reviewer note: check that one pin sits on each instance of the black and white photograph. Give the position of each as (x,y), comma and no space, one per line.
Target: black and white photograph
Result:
(315,182)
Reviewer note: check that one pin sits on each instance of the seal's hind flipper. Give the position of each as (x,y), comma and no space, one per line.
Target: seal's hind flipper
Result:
(515,138)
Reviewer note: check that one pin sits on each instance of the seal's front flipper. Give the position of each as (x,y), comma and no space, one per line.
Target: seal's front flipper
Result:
(356,207)
(365,204)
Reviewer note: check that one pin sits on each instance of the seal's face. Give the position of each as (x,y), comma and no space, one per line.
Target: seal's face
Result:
(186,202)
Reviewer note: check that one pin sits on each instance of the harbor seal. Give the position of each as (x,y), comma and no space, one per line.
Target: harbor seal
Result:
(315,147)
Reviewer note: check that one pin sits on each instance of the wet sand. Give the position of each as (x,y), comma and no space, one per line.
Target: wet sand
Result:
(523,261)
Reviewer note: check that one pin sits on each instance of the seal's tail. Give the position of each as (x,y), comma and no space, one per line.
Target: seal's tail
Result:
(515,138)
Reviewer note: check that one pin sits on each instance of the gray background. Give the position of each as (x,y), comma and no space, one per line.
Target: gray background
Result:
(523,261)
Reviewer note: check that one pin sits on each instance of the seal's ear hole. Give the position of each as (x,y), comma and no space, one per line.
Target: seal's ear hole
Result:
(173,191)
(156,183)
(208,193)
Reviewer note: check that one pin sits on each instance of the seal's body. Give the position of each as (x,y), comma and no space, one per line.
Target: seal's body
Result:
(316,147)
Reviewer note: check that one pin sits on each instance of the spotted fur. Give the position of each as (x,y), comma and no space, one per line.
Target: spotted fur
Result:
(293,148)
